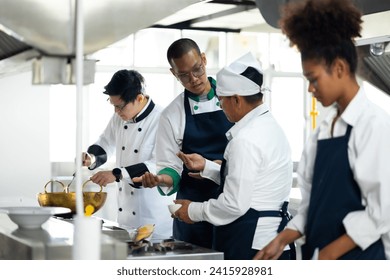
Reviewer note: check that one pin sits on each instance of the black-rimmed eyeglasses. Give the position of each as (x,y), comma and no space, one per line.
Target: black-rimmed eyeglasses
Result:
(196,72)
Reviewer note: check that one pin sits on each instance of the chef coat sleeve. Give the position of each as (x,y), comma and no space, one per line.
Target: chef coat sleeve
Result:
(372,175)
(168,144)
(211,171)
(104,146)
(100,156)
(236,198)
(138,169)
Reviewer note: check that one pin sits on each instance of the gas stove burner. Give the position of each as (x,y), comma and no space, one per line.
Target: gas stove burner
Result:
(167,245)
(143,246)
(172,245)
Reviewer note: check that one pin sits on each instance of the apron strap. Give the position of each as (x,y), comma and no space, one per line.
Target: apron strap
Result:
(286,217)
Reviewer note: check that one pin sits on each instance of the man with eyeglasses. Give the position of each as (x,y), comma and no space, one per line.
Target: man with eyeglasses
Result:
(130,135)
(192,123)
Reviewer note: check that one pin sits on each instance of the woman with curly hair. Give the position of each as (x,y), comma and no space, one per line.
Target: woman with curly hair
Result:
(343,172)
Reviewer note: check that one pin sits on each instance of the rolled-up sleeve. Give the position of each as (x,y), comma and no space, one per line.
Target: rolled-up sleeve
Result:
(367,226)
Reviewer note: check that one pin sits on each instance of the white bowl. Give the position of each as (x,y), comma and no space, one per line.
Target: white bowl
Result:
(32,217)
(173,208)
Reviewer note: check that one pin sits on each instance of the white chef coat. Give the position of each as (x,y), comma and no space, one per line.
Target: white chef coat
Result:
(259,175)
(171,131)
(368,153)
(134,142)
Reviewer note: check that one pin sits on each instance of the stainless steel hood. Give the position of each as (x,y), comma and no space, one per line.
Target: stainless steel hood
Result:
(374,50)
(47,28)
(374,67)
(41,28)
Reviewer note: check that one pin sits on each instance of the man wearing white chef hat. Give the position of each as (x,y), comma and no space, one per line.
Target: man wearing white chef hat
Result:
(256,174)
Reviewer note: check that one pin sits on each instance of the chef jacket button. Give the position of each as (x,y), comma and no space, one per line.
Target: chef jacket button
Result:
(120,189)
(123,148)
(135,151)
(196,107)
(133,213)
(139,129)
(120,209)
(132,193)
(125,127)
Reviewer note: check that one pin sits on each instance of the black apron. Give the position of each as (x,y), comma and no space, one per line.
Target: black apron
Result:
(334,194)
(204,134)
(235,239)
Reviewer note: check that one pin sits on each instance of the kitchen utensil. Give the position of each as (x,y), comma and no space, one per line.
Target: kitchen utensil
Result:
(71,181)
(173,208)
(127,233)
(32,217)
(68,199)
(144,232)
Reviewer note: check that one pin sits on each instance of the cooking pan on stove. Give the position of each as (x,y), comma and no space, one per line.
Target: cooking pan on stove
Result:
(68,199)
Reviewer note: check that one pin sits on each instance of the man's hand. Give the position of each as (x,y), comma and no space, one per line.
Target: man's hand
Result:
(182,213)
(275,248)
(150,180)
(192,161)
(103,178)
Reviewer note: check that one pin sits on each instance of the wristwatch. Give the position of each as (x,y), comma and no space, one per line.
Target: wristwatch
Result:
(117,173)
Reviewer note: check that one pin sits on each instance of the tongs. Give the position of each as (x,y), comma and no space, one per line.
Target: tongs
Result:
(71,181)
(74,175)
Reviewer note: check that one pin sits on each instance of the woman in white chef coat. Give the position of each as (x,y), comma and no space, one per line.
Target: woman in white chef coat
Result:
(343,173)
(131,136)
(256,172)
(193,123)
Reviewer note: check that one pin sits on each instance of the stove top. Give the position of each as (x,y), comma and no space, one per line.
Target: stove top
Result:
(158,247)
(170,249)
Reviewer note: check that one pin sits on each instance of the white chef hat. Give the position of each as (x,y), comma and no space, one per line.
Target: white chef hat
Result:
(231,82)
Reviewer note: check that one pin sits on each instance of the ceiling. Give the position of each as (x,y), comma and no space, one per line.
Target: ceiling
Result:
(228,16)
(210,15)
(217,15)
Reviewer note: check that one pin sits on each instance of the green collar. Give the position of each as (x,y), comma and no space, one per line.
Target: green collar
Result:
(210,94)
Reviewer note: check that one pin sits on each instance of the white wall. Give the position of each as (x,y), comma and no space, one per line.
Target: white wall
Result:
(24,141)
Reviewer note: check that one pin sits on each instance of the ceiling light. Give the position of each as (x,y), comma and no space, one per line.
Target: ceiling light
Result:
(377,49)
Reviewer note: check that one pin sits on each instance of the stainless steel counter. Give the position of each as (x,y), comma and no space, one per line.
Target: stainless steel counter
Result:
(54,241)
(51,242)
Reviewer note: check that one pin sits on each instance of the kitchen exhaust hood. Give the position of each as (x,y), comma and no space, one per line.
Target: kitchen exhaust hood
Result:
(374,50)
(374,46)
(45,30)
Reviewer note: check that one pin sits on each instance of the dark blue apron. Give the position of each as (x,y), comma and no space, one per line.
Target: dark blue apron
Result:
(235,239)
(204,134)
(334,194)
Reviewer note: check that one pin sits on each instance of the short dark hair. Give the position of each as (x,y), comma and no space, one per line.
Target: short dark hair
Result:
(255,76)
(126,83)
(180,47)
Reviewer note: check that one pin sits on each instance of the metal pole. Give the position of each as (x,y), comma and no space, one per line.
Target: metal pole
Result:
(79,103)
